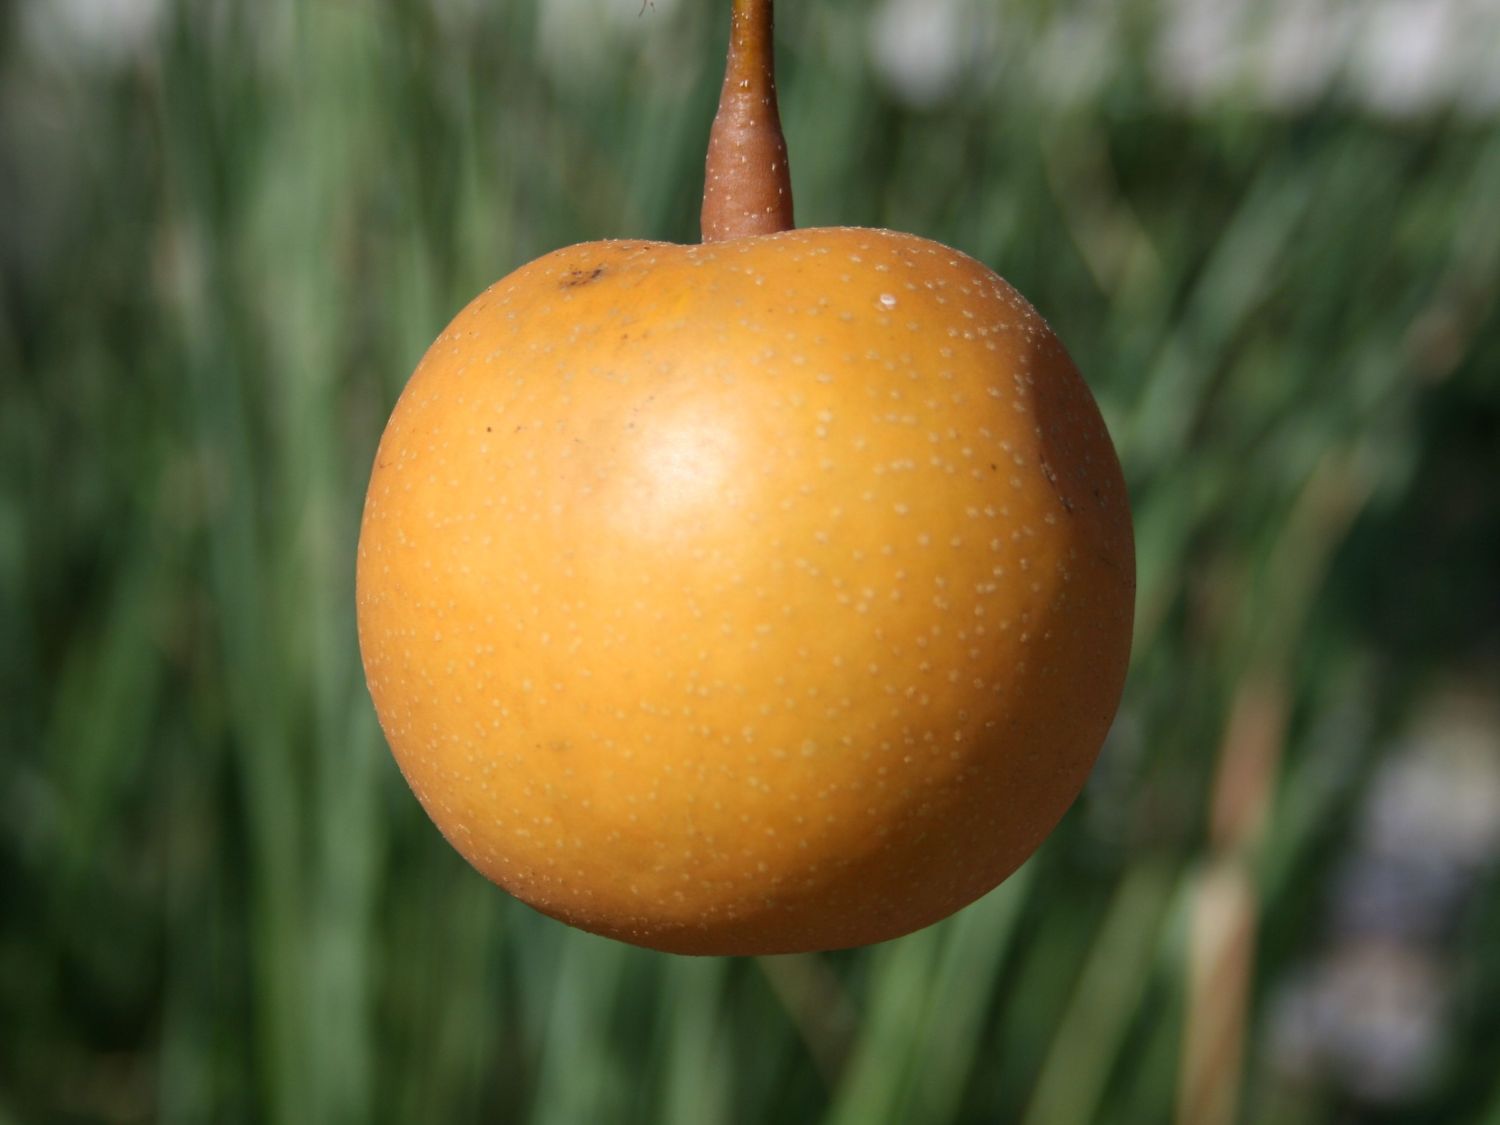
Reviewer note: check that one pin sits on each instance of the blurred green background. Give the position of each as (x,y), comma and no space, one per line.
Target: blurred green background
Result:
(1270,234)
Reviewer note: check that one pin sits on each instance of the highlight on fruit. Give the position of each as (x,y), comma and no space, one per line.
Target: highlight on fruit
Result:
(767,595)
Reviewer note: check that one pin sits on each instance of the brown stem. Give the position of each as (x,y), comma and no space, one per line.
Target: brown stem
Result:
(748,189)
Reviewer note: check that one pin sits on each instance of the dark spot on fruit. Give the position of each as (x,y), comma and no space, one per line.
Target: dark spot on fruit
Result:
(1052,480)
(576,277)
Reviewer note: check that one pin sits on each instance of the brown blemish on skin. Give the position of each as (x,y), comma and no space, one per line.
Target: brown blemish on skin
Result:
(575,278)
(1052,480)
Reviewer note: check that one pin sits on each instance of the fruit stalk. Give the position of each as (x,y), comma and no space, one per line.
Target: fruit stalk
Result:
(747,188)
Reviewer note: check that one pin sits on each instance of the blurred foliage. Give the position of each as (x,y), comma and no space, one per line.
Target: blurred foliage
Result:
(226,243)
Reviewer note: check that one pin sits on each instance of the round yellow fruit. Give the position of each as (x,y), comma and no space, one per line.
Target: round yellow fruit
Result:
(768,595)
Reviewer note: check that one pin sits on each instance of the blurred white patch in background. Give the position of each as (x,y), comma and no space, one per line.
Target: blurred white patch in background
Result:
(1441,796)
(1401,59)
(1369,1014)
(917,47)
(1300,54)
(1393,57)
(97,32)
(1369,1019)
